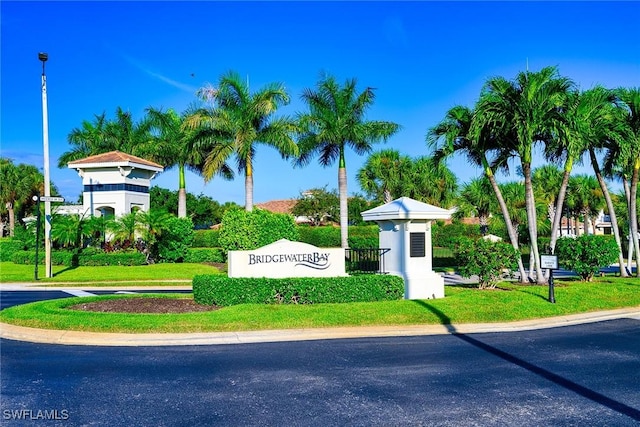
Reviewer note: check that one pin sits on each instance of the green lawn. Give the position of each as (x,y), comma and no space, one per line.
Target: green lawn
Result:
(462,305)
(11,273)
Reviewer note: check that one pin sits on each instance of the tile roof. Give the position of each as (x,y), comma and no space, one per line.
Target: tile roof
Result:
(113,157)
(278,206)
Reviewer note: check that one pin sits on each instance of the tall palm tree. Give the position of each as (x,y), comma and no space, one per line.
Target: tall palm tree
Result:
(523,112)
(336,120)
(453,135)
(592,122)
(239,121)
(170,145)
(383,175)
(546,180)
(629,155)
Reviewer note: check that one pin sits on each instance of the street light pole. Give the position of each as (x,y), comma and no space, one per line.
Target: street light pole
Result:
(47,187)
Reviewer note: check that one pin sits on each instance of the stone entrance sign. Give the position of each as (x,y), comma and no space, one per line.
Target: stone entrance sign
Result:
(285,258)
(405,228)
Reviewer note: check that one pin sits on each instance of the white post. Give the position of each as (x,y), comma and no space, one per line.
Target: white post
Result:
(47,187)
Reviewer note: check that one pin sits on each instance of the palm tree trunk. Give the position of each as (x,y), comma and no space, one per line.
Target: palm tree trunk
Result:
(557,218)
(612,212)
(248,186)
(633,214)
(532,220)
(507,218)
(344,218)
(12,218)
(182,193)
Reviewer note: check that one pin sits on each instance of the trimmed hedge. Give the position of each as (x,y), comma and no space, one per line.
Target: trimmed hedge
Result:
(205,255)
(72,259)
(10,246)
(206,239)
(225,291)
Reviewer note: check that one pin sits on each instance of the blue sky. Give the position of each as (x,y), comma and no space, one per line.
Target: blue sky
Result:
(422,58)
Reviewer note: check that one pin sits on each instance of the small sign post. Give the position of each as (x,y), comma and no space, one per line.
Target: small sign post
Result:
(550,262)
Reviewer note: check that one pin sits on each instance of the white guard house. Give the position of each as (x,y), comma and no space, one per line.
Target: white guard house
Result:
(405,228)
(115,183)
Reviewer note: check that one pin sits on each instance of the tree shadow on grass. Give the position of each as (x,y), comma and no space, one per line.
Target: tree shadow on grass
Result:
(544,373)
(64,270)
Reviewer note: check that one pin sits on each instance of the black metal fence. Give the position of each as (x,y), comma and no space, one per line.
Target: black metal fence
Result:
(369,260)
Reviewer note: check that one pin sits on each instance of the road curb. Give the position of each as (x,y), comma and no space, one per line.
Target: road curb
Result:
(46,336)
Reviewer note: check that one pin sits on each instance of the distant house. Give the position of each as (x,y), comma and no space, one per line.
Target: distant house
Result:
(284,207)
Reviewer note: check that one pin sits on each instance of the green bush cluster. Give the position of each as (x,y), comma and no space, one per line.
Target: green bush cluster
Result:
(175,240)
(586,254)
(206,239)
(224,291)
(329,237)
(485,259)
(447,235)
(242,230)
(10,246)
(197,255)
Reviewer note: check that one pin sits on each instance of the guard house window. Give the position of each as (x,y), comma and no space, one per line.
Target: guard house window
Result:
(417,245)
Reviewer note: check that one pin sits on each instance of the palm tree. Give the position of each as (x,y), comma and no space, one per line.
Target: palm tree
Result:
(524,112)
(170,145)
(454,131)
(125,228)
(240,120)
(102,136)
(584,196)
(546,181)
(335,121)
(592,122)
(18,184)
(384,174)
(86,140)
(475,200)
(629,156)
(432,182)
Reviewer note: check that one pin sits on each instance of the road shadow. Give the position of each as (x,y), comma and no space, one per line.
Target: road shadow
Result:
(544,373)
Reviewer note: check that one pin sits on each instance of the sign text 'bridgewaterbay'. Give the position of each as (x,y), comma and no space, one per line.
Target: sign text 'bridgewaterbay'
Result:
(285,258)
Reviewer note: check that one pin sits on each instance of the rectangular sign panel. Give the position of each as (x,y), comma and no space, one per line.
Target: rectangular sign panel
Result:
(51,199)
(549,261)
(285,258)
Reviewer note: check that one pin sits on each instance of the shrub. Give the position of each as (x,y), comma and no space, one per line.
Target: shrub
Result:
(586,254)
(446,236)
(485,259)
(242,230)
(9,246)
(225,291)
(175,240)
(206,239)
(205,255)
(57,257)
(322,237)
(112,258)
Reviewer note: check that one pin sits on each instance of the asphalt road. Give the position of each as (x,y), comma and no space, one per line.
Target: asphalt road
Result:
(587,375)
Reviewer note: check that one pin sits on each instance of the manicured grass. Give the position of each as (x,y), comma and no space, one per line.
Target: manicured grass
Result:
(462,305)
(10,273)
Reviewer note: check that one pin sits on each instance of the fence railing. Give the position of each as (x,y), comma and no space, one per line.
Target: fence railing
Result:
(369,260)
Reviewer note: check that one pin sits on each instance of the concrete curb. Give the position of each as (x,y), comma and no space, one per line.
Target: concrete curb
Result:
(21,333)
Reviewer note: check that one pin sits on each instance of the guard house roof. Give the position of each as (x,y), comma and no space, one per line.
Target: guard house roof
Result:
(114,158)
(405,208)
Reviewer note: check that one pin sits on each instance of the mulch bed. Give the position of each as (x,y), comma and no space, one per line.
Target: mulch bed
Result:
(144,305)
